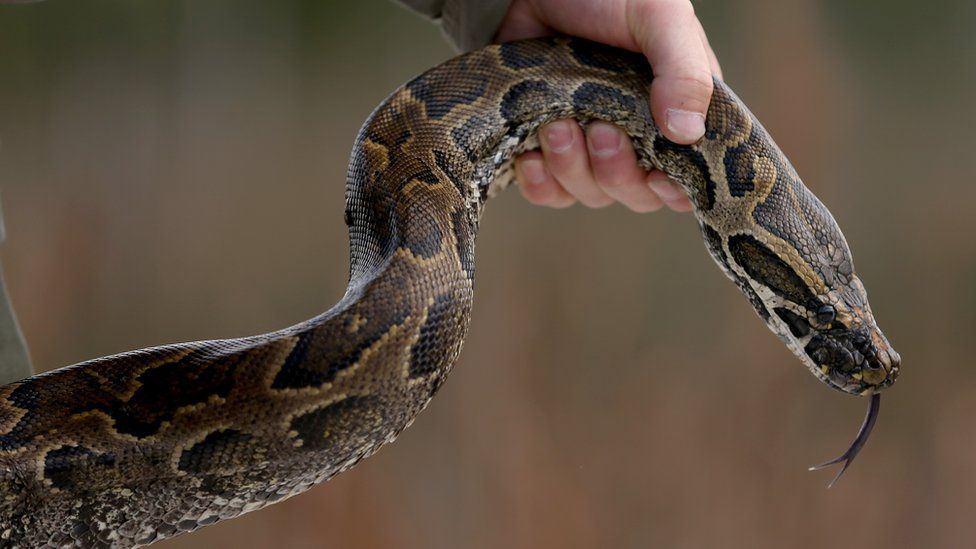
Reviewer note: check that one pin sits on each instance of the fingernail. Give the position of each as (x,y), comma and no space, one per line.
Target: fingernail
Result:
(686,125)
(603,139)
(533,171)
(558,135)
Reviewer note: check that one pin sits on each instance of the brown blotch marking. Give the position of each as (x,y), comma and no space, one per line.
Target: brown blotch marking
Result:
(684,162)
(197,378)
(798,325)
(10,414)
(221,450)
(525,100)
(424,240)
(604,101)
(109,397)
(472,136)
(69,464)
(726,122)
(433,350)
(376,155)
(767,268)
(332,425)
(446,165)
(418,220)
(464,240)
(319,356)
(713,241)
(439,98)
(131,365)
(739,163)
(518,56)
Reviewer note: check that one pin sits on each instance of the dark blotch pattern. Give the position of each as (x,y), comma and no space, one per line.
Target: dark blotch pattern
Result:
(689,161)
(600,99)
(392,140)
(166,388)
(767,268)
(713,241)
(739,169)
(465,242)
(423,238)
(440,98)
(470,137)
(25,397)
(325,426)
(219,450)
(333,355)
(432,351)
(62,466)
(517,57)
(525,98)
(423,174)
(798,325)
(295,374)
(446,166)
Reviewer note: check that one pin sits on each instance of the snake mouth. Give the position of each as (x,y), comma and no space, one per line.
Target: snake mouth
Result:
(853,362)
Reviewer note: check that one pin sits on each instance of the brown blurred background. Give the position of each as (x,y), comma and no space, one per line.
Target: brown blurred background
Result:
(174,171)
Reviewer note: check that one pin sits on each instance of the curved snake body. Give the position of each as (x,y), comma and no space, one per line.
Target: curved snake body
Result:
(132,448)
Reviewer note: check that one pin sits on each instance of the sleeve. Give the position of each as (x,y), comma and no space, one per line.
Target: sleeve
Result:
(15,362)
(468,24)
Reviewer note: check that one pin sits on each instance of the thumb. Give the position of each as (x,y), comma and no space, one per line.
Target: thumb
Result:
(668,34)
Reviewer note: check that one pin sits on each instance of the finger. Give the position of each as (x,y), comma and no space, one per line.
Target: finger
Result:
(712,60)
(667,32)
(670,193)
(615,168)
(521,22)
(537,185)
(564,150)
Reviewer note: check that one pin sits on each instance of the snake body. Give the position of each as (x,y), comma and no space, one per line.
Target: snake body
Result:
(129,449)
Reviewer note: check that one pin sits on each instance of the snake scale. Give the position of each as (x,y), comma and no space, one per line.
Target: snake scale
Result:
(129,449)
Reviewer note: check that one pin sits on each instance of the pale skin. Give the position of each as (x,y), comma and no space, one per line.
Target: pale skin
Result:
(598,166)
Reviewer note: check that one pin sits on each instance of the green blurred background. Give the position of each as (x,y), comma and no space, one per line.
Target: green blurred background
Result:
(174,171)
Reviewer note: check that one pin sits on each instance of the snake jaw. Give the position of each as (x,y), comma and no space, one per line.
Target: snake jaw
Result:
(859,441)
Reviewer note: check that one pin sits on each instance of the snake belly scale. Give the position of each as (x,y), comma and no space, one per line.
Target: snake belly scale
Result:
(129,449)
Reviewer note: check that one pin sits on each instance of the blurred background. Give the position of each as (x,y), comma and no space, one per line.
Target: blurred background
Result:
(174,171)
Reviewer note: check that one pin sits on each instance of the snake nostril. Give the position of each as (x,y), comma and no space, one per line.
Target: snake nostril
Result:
(895,358)
(862,343)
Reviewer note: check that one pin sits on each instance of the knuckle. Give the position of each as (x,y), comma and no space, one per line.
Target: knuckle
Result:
(646,11)
(695,81)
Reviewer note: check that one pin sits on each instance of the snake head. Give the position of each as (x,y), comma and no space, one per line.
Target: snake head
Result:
(838,338)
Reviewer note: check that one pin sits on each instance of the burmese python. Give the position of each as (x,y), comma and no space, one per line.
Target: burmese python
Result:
(136,447)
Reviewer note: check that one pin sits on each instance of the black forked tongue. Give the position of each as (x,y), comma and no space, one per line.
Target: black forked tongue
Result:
(862,437)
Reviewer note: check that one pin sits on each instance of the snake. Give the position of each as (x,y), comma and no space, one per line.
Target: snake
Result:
(125,450)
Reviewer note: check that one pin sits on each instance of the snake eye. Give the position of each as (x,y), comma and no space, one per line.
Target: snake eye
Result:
(826,314)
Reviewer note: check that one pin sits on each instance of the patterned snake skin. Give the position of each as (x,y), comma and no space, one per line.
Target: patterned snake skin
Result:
(129,449)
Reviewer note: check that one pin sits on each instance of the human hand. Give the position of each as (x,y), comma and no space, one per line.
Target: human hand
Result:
(600,167)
